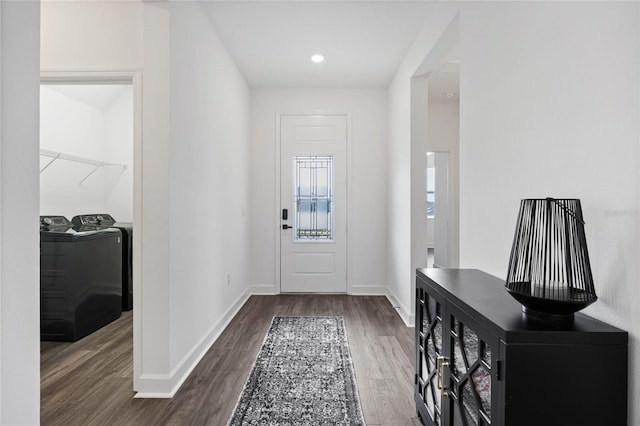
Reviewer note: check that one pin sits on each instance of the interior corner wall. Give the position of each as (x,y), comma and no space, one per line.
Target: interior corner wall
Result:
(19,242)
(209,187)
(119,128)
(367,188)
(400,272)
(73,127)
(549,107)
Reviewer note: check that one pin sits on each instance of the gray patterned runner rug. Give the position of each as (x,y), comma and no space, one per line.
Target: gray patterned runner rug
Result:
(302,376)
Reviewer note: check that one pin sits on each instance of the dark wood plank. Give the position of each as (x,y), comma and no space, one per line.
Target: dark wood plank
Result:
(90,382)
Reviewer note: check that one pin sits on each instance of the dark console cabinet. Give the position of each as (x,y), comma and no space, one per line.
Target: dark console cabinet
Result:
(479,361)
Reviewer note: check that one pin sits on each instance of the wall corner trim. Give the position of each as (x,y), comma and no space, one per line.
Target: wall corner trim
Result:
(405,314)
(266,289)
(167,385)
(368,290)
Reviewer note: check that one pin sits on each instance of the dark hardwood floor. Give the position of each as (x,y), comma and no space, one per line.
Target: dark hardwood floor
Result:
(89,382)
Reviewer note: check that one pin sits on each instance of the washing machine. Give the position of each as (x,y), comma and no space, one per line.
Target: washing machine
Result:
(80,279)
(101,221)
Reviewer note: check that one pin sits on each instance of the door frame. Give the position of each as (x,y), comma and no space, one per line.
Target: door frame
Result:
(278,172)
(450,241)
(133,77)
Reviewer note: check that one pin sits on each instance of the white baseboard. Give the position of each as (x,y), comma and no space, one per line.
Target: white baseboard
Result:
(156,385)
(368,290)
(263,290)
(166,385)
(405,314)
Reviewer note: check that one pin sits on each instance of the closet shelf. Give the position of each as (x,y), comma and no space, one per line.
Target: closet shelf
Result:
(61,156)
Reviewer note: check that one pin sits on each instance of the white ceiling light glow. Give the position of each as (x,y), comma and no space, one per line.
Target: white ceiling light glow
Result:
(317,58)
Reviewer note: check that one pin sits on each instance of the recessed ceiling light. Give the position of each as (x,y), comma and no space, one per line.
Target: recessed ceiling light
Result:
(317,58)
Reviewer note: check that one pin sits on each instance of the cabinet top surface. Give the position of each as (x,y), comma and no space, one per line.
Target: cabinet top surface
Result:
(484,297)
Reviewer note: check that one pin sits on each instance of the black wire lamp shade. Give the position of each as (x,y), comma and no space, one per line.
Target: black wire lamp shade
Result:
(549,270)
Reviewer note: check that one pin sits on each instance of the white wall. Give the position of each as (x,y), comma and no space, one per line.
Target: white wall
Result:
(430,232)
(91,35)
(549,107)
(399,274)
(118,149)
(194,156)
(74,128)
(151,338)
(209,186)
(367,188)
(102,133)
(573,134)
(69,125)
(19,239)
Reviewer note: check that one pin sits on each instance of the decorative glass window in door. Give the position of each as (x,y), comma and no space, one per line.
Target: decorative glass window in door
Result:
(313,198)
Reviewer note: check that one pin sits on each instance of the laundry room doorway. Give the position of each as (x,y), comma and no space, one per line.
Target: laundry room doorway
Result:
(90,156)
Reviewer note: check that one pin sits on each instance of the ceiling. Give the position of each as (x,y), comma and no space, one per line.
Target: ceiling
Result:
(444,82)
(363,41)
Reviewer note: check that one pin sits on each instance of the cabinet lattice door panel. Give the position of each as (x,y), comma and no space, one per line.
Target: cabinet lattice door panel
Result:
(429,332)
(472,373)
(481,362)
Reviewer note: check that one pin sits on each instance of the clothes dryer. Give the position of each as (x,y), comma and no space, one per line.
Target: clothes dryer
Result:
(104,220)
(80,279)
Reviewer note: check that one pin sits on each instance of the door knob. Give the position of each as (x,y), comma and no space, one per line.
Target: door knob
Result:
(285,226)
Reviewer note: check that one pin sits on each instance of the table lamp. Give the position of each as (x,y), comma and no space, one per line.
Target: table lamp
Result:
(549,271)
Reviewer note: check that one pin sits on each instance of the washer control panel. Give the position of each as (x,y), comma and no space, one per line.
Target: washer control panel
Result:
(54,221)
(93,219)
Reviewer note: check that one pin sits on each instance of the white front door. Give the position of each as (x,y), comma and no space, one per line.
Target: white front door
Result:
(313,212)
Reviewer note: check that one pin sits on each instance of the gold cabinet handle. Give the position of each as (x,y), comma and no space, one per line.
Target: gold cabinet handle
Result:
(441,364)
